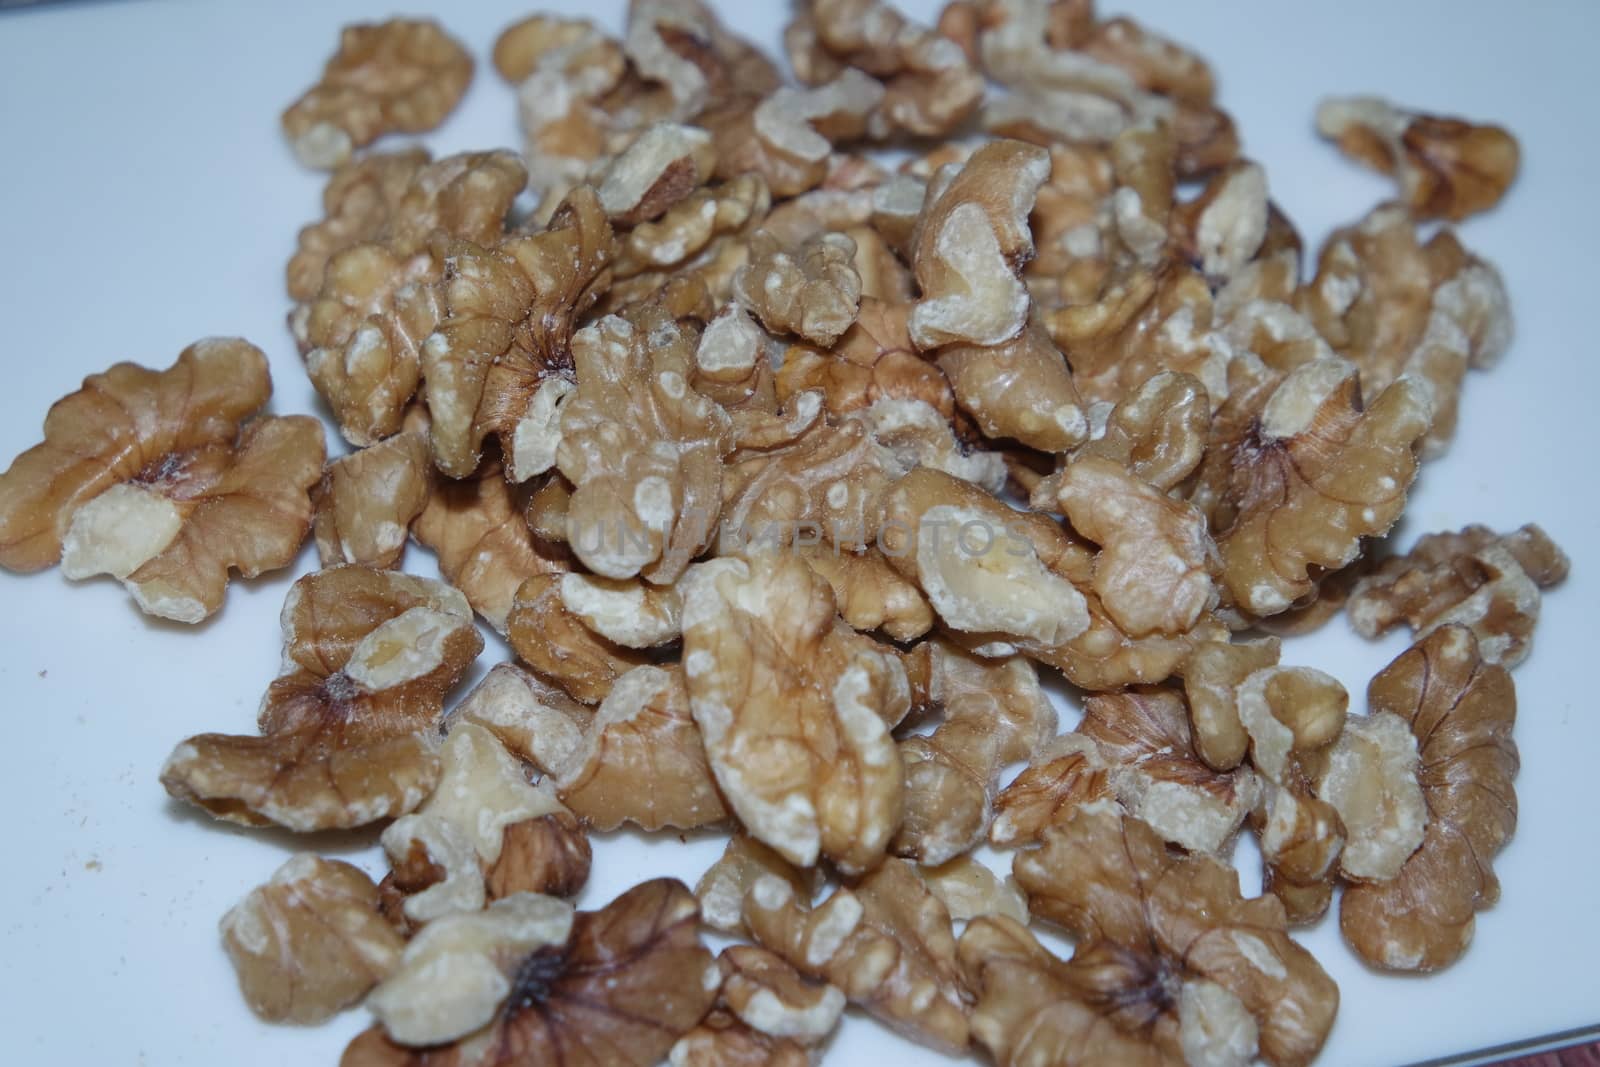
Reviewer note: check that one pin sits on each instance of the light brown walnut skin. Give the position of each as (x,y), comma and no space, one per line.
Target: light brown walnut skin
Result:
(337,751)
(794,710)
(1158,433)
(310,942)
(234,497)
(1461,710)
(812,291)
(1061,775)
(722,1040)
(886,943)
(874,360)
(1489,582)
(722,889)
(621,991)
(1132,904)
(1446,168)
(357,203)
(485,548)
(1019,389)
(367,500)
(400,76)
(1211,678)
(560,647)
(869,593)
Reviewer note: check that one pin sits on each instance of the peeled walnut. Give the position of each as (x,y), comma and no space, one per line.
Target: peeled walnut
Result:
(529,982)
(969,889)
(1021,389)
(1154,571)
(788,136)
(1212,676)
(561,646)
(1460,708)
(916,435)
(886,943)
(485,548)
(1397,307)
(664,164)
(873,360)
(501,359)
(358,202)
(930,86)
(149,476)
(812,291)
(472,826)
(1063,774)
(970,243)
(993,714)
(766,1016)
(310,942)
(1485,581)
(347,728)
(805,473)
(640,759)
(1157,432)
(794,712)
(368,499)
(723,1040)
(722,889)
(682,45)
(643,451)
(532,718)
(732,365)
(1316,475)
(1370,778)
(1447,168)
(400,76)
(1223,229)
(869,593)
(1167,950)
(693,229)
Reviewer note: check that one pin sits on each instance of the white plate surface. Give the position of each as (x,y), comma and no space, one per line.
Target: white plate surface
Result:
(146,200)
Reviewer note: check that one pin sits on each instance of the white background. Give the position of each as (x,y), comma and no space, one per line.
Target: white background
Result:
(148,200)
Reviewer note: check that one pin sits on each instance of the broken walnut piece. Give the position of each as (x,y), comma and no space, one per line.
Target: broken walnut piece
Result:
(358,201)
(869,593)
(1170,951)
(1316,476)
(664,164)
(1369,776)
(886,943)
(155,478)
(348,727)
(642,449)
(873,360)
(1447,168)
(1212,676)
(528,982)
(476,528)
(794,709)
(992,713)
(812,291)
(1158,432)
(724,1040)
(561,646)
(501,360)
(744,860)
(769,995)
(1460,708)
(1485,581)
(971,242)
(690,232)
(399,76)
(968,889)
(465,829)
(787,136)
(310,942)
(1062,774)
(367,501)
(1020,389)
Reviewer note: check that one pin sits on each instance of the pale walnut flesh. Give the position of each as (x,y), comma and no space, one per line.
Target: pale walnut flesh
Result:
(529,982)
(1446,167)
(1019,389)
(310,942)
(794,713)
(1485,581)
(722,889)
(1150,924)
(348,726)
(886,943)
(400,76)
(561,646)
(812,291)
(1370,779)
(643,451)
(1460,708)
(368,499)
(154,478)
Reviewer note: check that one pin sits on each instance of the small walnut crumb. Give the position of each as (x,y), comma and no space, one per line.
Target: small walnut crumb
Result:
(1370,779)
(368,499)
(149,476)
(310,942)
(794,712)
(812,291)
(526,980)
(972,240)
(348,727)
(1485,581)
(400,76)
(1460,708)
(643,451)
(485,548)
(993,713)
(1151,924)
(1447,168)
(887,943)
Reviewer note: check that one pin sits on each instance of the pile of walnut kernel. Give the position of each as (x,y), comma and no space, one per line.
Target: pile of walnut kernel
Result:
(783,471)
